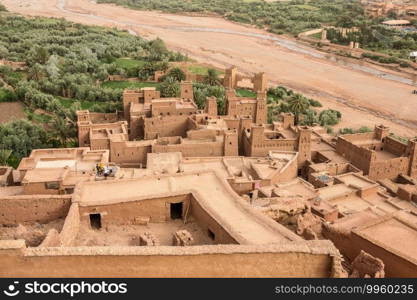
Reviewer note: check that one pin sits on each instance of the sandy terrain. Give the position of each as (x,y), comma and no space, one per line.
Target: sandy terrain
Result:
(10,111)
(363,98)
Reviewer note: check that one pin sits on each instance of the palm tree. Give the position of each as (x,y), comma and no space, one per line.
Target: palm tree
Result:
(4,156)
(169,87)
(298,104)
(61,130)
(212,77)
(177,74)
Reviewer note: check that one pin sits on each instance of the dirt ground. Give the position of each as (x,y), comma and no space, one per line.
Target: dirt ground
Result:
(364,99)
(128,235)
(10,111)
(33,233)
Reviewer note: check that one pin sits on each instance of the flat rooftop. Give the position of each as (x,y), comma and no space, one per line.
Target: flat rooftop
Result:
(393,234)
(356,180)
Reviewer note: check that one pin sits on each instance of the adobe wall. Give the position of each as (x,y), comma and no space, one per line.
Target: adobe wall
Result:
(262,149)
(158,209)
(286,174)
(71,226)
(359,157)
(165,126)
(40,208)
(99,144)
(388,169)
(295,259)
(103,117)
(39,188)
(129,152)
(351,243)
(395,265)
(201,149)
(394,146)
(240,187)
(207,222)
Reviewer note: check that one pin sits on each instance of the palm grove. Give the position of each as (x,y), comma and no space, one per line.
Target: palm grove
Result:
(67,67)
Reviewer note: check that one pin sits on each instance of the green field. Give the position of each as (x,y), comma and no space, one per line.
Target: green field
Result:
(245,93)
(128,84)
(128,63)
(66,102)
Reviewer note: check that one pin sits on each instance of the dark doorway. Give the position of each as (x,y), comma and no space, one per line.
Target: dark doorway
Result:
(95,221)
(211,234)
(176,210)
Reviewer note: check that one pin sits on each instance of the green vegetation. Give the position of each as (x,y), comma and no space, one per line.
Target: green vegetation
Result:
(7,95)
(128,84)
(128,63)
(22,136)
(281,16)
(203,90)
(396,44)
(363,129)
(66,66)
(283,100)
(245,93)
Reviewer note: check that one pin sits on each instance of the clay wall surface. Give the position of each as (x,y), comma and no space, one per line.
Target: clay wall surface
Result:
(39,188)
(71,226)
(207,222)
(286,174)
(241,187)
(129,152)
(39,208)
(359,157)
(298,259)
(158,209)
(388,169)
(395,265)
(103,117)
(192,150)
(165,126)
(262,149)
(394,146)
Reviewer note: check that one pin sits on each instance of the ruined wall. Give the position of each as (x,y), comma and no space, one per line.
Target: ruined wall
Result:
(71,226)
(290,260)
(158,209)
(39,208)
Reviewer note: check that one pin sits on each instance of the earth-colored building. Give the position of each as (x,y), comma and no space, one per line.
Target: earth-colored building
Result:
(165,189)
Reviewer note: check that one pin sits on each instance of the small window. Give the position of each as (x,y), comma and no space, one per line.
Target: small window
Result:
(95,221)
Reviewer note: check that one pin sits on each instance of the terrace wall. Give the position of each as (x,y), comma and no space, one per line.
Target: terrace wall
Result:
(296,259)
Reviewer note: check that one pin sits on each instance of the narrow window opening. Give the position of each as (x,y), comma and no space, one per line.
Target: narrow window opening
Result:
(176,210)
(95,221)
